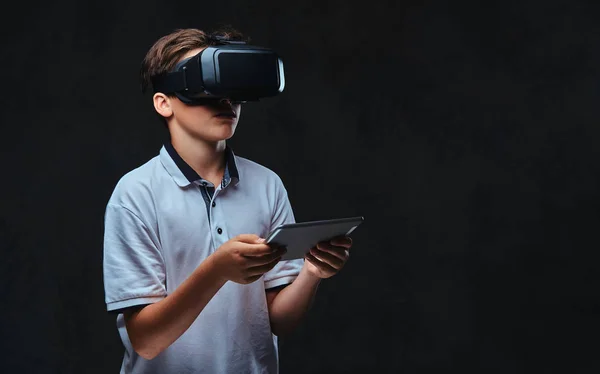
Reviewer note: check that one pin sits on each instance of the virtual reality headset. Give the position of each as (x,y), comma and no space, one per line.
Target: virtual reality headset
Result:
(229,70)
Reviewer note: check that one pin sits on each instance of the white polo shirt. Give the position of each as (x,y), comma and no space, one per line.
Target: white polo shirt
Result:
(161,222)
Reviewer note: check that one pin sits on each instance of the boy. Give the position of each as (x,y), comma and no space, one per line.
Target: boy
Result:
(195,287)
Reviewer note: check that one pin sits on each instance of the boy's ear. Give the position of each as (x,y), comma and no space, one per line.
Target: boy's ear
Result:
(162,104)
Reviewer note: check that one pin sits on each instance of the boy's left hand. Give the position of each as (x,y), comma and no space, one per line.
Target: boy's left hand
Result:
(328,257)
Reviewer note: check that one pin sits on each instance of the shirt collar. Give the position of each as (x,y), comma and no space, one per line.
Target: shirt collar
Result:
(184,175)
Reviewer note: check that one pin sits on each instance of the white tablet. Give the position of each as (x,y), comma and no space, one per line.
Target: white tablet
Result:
(299,238)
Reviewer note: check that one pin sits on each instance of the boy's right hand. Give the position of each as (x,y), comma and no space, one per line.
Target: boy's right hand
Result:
(245,258)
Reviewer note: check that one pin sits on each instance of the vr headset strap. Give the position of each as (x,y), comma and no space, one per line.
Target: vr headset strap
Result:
(170,82)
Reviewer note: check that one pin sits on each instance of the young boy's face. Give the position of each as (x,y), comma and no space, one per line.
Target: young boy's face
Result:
(210,123)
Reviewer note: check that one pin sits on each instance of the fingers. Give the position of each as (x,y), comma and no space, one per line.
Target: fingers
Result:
(248,238)
(253,260)
(338,251)
(323,266)
(342,241)
(335,261)
(257,271)
(253,245)
(246,249)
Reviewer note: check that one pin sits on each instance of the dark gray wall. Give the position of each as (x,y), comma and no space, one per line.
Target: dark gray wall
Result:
(465,132)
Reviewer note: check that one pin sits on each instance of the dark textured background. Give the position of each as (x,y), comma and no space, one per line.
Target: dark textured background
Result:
(466,133)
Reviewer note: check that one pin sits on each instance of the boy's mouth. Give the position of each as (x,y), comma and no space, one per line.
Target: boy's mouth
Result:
(226,115)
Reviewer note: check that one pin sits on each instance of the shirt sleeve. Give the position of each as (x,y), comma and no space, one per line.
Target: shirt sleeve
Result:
(285,271)
(133,266)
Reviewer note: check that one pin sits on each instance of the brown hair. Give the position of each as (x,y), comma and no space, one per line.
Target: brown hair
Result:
(169,49)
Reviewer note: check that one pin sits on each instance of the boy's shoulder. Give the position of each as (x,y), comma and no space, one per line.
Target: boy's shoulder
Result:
(253,170)
(135,184)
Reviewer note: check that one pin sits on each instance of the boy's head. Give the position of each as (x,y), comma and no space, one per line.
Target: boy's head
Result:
(170,49)
(211,122)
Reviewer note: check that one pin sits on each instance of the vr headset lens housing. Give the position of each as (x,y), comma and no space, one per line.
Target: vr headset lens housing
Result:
(236,72)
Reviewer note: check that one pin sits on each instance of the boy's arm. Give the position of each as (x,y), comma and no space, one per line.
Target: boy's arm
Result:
(243,259)
(134,276)
(289,305)
(156,326)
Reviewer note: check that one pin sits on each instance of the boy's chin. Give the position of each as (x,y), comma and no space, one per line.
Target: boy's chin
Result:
(221,136)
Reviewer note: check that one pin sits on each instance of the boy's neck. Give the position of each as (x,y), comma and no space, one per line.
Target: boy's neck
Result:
(206,158)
